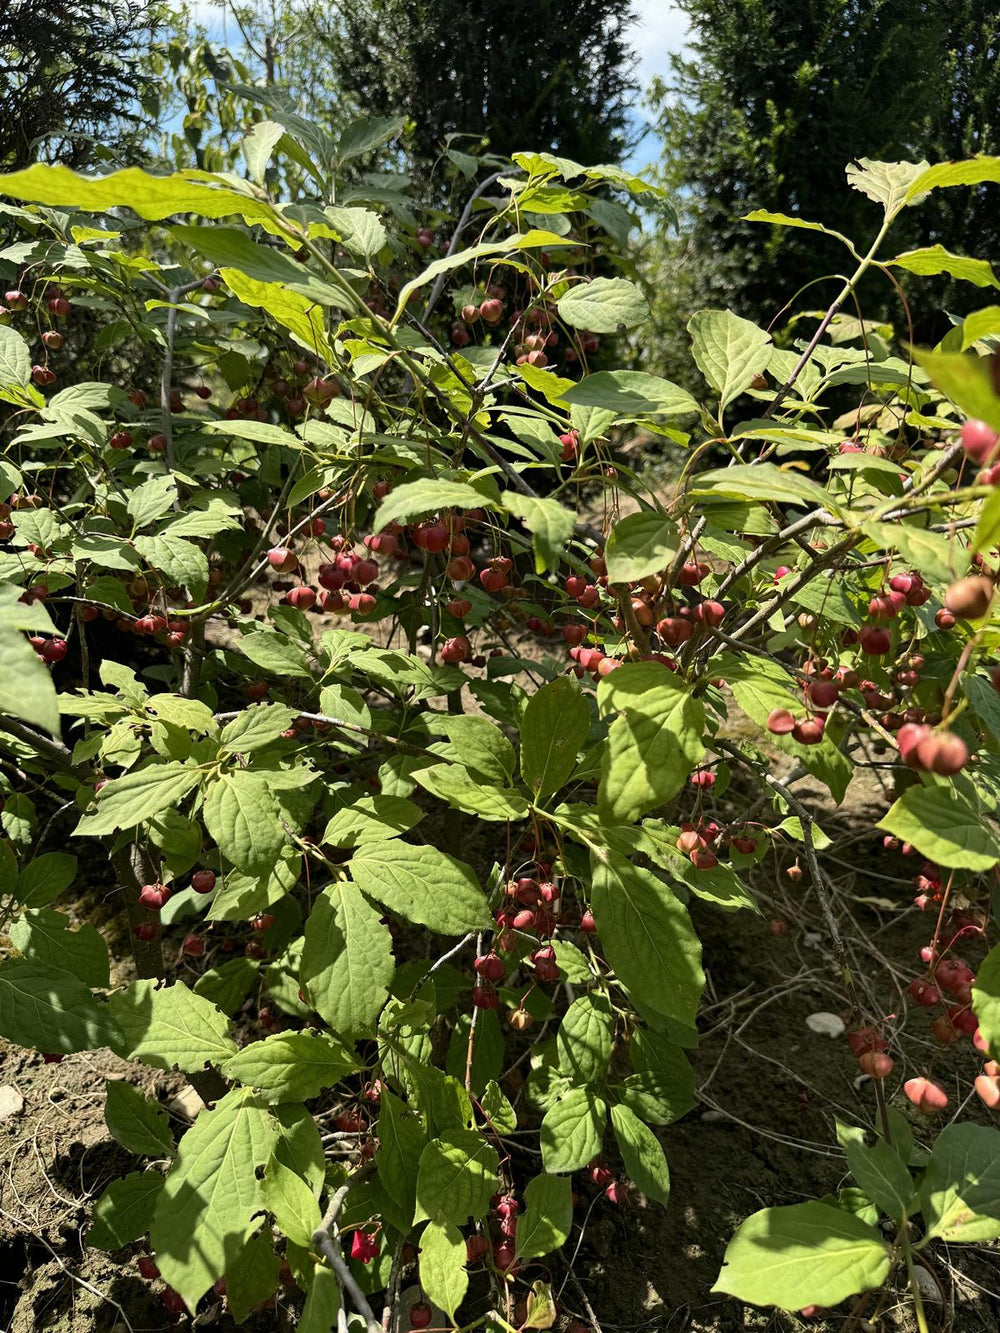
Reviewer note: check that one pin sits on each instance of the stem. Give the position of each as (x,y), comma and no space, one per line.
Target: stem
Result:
(918,1301)
(825,322)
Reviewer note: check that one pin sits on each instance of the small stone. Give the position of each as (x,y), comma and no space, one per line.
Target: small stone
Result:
(187,1103)
(11,1101)
(827,1025)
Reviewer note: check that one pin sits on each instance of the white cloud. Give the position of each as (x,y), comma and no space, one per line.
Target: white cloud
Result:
(659,31)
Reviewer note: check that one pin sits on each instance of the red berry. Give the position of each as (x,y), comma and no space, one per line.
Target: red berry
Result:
(484,996)
(475,1248)
(147,1267)
(281,559)
(925,993)
(490,967)
(173,1301)
(54,650)
(780,722)
(146,930)
(875,642)
(193,945)
(421,1315)
(153,896)
(969,599)
(876,1063)
(926,1095)
(203,881)
(978,440)
(455,650)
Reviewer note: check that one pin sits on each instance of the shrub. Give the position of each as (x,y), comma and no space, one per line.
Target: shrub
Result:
(408,767)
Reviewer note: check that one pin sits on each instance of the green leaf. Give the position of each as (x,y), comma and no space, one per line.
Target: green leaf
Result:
(211,1193)
(169,1026)
(45,938)
(347,962)
(299,1146)
(986,1000)
(640,544)
(15,359)
(140,1125)
(764,481)
(291,1066)
(549,523)
(944,827)
(964,378)
(882,1175)
(584,1039)
(930,259)
(179,560)
(401,1140)
(648,939)
(319,1314)
(242,816)
(971,171)
(423,496)
(603,305)
(292,1202)
(653,745)
(787,220)
(51,1011)
(960,1193)
(572,1130)
(274,653)
(257,725)
(151,500)
(631,393)
(642,1154)
(456,1177)
(891,184)
(366,133)
(662,1088)
(253,1271)
(805,1254)
(152,197)
(44,878)
(371,819)
(26,688)
(457,787)
(227,985)
(300,314)
(728,351)
(138,795)
(442,1266)
(930,552)
(978,324)
(360,230)
(498,1109)
(477,744)
(526,241)
(554,727)
(423,885)
(548,1216)
(124,1212)
(258,146)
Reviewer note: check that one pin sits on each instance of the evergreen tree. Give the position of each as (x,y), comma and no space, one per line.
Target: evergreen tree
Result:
(771,103)
(72,81)
(540,74)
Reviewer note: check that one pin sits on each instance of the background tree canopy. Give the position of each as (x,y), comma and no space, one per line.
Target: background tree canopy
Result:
(771,100)
(74,81)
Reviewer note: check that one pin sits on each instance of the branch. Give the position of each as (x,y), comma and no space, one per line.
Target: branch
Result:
(323,1239)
